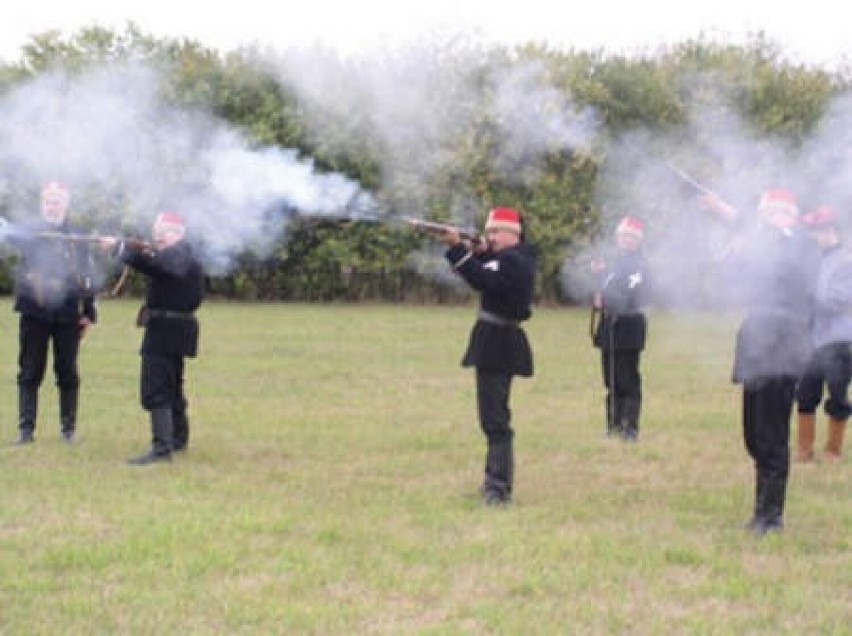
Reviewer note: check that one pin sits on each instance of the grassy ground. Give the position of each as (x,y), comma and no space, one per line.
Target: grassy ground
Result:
(329,489)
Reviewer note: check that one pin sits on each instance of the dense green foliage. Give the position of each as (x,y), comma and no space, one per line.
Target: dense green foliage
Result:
(559,190)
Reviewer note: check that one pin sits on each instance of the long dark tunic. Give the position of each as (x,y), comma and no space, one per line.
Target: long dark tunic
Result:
(776,279)
(54,279)
(624,292)
(175,290)
(506,281)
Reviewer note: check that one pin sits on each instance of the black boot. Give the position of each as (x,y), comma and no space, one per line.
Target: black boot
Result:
(630,418)
(161,439)
(769,506)
(773,511)
(499,473)
(752,523)
(68,412)
(614,409)
(180,431)
(27,410)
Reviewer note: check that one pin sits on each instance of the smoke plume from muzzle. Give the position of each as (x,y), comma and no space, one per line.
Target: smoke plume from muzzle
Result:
(110,136)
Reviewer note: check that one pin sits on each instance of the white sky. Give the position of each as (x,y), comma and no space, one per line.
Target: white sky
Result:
(813,32)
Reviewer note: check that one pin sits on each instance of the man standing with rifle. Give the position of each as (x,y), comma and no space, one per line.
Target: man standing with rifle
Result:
(775,271)
(175,290)
(621,331)
(56,300)
(502,269)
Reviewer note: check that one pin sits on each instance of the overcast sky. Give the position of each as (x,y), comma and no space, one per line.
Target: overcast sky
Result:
(813,32)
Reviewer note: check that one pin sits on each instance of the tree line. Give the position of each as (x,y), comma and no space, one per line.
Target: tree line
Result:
(559,189)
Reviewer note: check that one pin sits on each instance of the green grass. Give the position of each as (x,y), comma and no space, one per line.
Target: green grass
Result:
(330,489)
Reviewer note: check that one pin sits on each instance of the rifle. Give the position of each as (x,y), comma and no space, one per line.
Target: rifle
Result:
(135,243)
(710,199)
(439,229)
(678,172)
(595,317)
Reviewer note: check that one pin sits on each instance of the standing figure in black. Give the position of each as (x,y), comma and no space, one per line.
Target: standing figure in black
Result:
(55,298)
(174,291)
(503,271)
(775,271)
(622,329)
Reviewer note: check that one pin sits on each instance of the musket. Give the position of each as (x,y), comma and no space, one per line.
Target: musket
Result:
(711,199)
(678,172)
(595,317)
(135,243)
(439,229)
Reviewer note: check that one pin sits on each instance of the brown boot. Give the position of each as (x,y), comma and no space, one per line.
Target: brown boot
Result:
(834,443)
(805,441)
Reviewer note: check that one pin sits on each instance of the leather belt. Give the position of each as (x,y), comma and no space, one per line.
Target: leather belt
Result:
(494,319)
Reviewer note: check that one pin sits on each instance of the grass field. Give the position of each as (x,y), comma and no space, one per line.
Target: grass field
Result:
(330,489)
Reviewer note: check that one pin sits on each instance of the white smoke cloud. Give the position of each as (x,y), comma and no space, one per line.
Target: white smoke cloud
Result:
(536,118)
(425,104)
(660,178)
(109,131)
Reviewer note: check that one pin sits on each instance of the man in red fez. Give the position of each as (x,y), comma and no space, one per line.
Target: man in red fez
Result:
(55,297)
(174,291)
(621,332)
(775,267)
(502,269)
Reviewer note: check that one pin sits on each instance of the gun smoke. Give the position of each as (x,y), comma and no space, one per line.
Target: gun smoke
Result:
(661,177)
(108,133)
(421,103)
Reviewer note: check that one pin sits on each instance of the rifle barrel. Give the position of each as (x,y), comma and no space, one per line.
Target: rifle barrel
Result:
(74,238)
(678,172)
(92,238)
(441,228)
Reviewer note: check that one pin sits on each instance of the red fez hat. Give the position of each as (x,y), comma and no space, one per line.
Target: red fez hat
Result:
(170,218)
(780,200)
(823,216)
(631,225)
(504,219)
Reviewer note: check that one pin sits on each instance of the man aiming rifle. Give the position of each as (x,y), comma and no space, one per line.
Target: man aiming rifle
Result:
(175,290)
(776,268)
(502,268)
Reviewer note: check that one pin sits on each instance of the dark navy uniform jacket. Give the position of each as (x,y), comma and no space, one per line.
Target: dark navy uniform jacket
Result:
(506,282)
(54,279)
(775,279)
(175,290)
(624,290)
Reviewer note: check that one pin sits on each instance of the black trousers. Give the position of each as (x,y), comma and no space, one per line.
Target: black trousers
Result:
(34,336)
(830,367)
(621,373)
(495,417)
(161,382)
(492,397)
(767,406)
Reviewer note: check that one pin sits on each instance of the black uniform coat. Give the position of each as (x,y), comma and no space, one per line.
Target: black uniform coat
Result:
(624,292)
(53,281)
(506,281)
(175,290)
(778,277)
